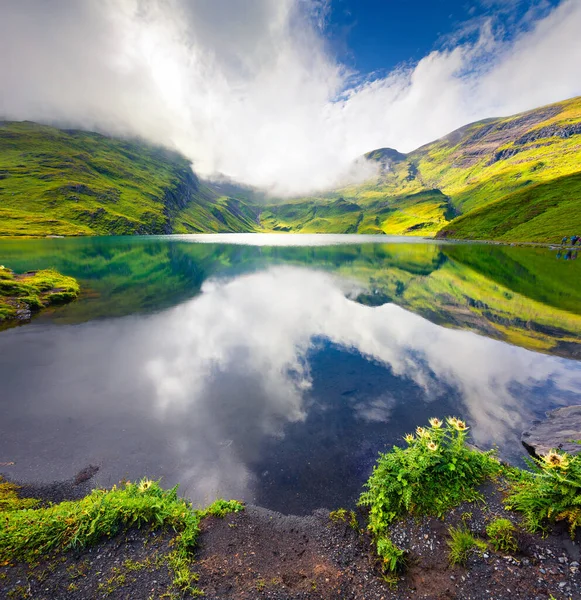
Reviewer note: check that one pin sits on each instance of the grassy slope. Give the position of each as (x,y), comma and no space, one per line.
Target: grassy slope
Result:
(513,179)
(55,182)
(543,212)
(519,175)
(523,168)
(423,213)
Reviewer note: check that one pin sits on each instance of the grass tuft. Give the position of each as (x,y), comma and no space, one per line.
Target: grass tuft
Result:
(462,543)
(26,534)
(501,534)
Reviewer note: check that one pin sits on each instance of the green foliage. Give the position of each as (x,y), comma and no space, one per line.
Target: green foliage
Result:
(27,534)
(501,534)
(434,473)
(342,515)
(393,558)
(462,543)
(552,492)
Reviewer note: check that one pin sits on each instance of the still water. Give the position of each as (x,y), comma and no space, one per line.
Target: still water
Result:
(274,368)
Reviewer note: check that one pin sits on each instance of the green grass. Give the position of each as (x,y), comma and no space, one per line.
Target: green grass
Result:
(10,499)
(342,515)
(494,179)
(543,212)
(55,182)
(421,214)
(531,193)
(462,543)
(31,533)
(33,290)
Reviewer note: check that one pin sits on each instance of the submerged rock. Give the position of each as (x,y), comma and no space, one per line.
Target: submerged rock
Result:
(561,430)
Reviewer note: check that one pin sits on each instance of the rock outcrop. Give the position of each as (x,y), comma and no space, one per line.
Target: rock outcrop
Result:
(561,430)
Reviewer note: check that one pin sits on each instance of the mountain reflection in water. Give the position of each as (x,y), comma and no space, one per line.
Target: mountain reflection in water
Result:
(266,373)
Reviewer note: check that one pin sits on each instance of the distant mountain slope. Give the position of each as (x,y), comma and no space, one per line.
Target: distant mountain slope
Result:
(526,159)
(423,213)
(482,162)
(55,182)
(514,179)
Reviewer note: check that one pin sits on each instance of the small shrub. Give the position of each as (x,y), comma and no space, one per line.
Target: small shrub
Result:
(434,473)
(501,534)
(393,558)
(461,544)
(552,492)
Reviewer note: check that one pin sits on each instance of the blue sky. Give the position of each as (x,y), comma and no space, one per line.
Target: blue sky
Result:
(378,35)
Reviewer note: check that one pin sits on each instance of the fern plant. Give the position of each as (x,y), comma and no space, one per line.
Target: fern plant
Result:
(552,492)
(435,472)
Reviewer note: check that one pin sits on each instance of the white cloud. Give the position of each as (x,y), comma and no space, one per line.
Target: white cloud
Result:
(250,90)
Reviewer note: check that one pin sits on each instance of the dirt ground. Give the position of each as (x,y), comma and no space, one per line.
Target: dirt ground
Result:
(259,554)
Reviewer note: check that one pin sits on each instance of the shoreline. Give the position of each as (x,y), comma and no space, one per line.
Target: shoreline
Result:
(442,240)
(258,553)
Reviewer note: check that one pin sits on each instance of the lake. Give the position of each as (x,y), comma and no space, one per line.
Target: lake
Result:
(274,368)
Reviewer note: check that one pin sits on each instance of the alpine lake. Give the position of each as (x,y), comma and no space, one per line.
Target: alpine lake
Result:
(274,368)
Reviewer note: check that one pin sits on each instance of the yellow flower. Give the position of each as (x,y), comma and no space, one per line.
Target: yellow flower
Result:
(435,423)
(144,485)
(460,425)
(432,446)
(554,459)
(409,438)
(422,432)
(452,421)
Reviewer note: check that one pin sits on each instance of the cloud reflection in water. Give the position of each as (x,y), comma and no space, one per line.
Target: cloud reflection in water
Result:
(223,392)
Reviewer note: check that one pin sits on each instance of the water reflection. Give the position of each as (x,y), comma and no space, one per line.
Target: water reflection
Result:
(272,386)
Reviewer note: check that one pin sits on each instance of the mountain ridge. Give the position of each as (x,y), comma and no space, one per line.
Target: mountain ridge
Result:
(511,178)
(472,167)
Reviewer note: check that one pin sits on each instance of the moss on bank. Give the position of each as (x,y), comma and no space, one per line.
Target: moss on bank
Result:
(21,295)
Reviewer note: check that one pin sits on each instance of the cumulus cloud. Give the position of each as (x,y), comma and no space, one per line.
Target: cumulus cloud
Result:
(250,90)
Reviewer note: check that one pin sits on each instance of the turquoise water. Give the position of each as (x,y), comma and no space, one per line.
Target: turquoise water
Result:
(275,368)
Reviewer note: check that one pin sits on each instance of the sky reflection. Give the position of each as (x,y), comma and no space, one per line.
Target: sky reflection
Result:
(267,382)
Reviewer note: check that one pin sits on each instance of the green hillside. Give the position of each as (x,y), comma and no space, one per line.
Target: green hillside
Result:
(423,213)
(522,167)
(55,182)
(513,179)
(542,212)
